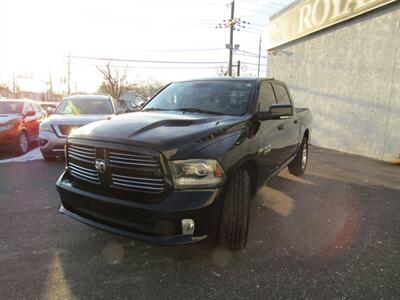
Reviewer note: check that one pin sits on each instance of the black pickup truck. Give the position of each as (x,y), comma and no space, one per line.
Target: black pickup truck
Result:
(188,164)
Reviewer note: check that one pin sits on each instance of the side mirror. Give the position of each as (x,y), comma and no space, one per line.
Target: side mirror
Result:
(30,113)
(276,111)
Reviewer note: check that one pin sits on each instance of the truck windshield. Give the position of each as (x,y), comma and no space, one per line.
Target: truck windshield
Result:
(85,107)
(218,96)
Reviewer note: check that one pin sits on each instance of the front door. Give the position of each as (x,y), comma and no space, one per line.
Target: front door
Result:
(29,121)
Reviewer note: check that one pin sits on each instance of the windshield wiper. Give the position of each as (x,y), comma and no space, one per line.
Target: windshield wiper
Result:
(198,110)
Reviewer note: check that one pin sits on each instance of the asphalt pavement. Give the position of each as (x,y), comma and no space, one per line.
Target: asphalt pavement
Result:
(334,233)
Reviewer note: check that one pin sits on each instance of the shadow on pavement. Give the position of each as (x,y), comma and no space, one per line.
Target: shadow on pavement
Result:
(328,227)
(333,233)
(7,154)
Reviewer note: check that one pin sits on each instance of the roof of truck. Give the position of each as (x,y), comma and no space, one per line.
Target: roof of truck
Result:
(228,79)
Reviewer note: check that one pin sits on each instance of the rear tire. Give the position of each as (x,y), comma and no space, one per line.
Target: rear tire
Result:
(299,164)
(22,144)
(236,210)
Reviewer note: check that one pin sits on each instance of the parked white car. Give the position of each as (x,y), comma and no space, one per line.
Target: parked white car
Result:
(73,112)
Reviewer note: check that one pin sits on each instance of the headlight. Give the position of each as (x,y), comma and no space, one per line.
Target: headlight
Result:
(196,173)
(6,127)
(46,126)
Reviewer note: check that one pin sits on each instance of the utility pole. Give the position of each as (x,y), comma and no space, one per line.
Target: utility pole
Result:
(238,68)
(69,74)
(50,92)
(259,58)
(14,85)
(232,23)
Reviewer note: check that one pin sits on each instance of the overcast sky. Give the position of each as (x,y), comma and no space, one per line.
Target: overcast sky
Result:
(35,35)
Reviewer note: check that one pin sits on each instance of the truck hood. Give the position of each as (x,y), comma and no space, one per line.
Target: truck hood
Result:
(58,119)
(4,118)
(172,133)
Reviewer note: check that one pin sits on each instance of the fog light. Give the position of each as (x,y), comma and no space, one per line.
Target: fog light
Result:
(187,226)
(42,142)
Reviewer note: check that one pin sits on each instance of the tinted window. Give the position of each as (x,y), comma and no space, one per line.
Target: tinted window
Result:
(282,95)
(28,107)
(85,107)
(266,96)
(10,107)
(127,105)
(220,96)
(37,108)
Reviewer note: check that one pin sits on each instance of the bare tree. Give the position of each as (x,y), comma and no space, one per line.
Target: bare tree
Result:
(115,80)
(222,71)
(4,90)
(148,87)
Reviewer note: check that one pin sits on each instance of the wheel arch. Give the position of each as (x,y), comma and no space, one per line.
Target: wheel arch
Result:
(252,168)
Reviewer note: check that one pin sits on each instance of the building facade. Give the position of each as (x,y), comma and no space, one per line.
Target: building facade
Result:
(341,58)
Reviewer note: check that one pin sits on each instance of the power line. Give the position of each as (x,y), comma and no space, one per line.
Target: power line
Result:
(266,3)
(146,61)
(152,61)
(252,32)
(251,53)
(183,50)
(151,67)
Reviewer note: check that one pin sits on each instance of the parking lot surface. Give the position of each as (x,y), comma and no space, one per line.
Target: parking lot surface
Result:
(334,233)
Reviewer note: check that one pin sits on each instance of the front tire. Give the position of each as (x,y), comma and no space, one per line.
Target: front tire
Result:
(22,145)
(236,210)
(299,164)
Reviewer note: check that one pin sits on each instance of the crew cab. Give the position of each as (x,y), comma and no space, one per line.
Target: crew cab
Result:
(73,112)
(188,164)
(19,123)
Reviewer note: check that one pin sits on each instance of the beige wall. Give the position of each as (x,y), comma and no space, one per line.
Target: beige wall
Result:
(349,76)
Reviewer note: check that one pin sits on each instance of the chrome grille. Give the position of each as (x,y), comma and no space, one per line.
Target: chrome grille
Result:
(134,171)
(145,184)
(83,173)
(125,159)
(82,153)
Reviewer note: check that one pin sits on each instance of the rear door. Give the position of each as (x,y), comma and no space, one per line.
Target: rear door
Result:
(39,118)
(289,126)
(270,145)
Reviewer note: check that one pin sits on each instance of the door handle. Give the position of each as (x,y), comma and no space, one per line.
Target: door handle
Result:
(296,121)
(281,127)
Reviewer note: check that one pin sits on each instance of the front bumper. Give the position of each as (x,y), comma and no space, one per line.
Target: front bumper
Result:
(51,144)
(159,222)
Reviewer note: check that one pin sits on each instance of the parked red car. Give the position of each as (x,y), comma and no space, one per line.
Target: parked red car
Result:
(19,123)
